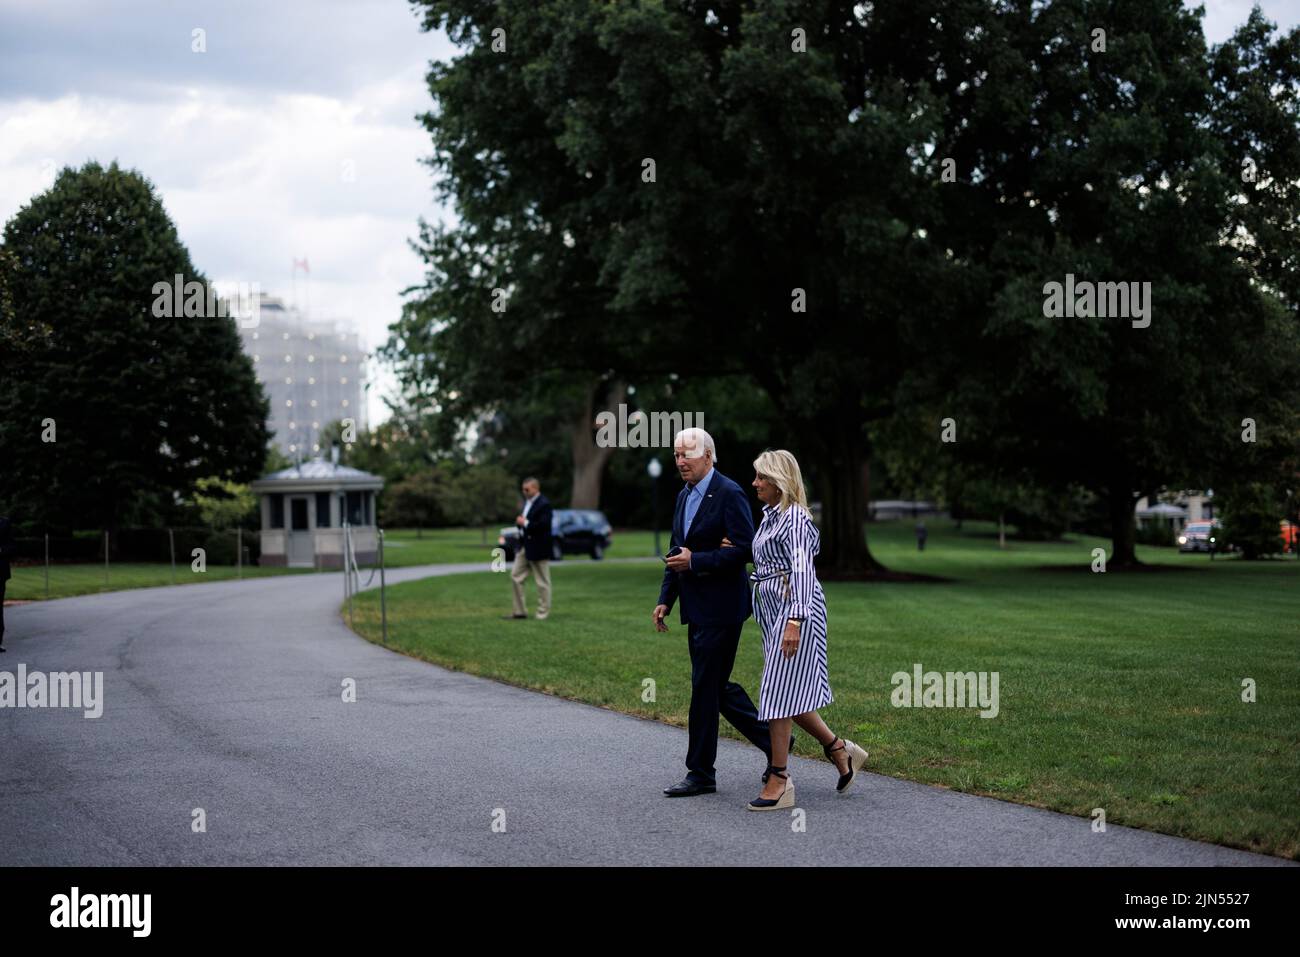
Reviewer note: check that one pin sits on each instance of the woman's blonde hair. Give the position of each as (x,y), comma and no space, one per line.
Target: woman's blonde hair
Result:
(782,468)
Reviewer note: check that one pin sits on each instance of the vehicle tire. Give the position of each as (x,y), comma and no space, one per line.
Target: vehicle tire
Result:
(557,553)
(597,552)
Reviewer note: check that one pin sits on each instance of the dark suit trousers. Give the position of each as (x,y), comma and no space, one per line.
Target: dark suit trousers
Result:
(713,653)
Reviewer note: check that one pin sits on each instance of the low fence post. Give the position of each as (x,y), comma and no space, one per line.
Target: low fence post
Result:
(239,553)
(171,547)
(355,582)
(383,598)
(347,566)
(47,565)
(105,559)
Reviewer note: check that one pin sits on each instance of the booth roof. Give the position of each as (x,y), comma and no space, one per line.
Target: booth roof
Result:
(319,470)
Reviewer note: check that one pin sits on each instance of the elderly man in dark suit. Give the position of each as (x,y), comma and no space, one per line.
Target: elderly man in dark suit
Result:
(534,553)
(709,578)
(7,549)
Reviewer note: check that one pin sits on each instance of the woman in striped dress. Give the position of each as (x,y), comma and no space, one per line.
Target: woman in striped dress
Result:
(791,610)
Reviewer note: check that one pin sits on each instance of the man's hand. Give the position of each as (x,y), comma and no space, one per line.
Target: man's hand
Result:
(681,562)
(519,520)
(660,612)
(727,543)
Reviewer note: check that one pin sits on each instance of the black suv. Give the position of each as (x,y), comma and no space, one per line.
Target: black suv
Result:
(574,531)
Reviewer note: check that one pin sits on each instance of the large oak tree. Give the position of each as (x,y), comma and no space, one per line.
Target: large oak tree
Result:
(859,205)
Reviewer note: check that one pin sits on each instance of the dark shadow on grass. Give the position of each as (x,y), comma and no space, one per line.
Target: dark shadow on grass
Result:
(992,536)
(1121,569)
(886,577)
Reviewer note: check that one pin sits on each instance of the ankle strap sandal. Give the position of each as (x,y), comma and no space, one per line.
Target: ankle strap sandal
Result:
(785,800)
(857,757)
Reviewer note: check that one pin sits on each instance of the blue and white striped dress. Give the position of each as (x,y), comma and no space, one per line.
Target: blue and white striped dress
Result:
(788,539)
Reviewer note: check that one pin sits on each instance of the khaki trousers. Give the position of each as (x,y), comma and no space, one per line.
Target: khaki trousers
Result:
(541,575)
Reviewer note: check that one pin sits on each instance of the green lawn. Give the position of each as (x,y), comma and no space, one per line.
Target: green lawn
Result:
(88,579)
(404,547)
(1117,690)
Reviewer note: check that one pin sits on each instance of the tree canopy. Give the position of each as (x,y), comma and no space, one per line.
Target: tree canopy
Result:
(860,208)
(118,412)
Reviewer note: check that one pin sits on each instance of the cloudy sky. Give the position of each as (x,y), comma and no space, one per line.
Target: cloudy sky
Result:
(292,137)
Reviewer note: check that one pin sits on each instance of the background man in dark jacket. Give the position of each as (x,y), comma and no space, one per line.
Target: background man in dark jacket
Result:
(534,554)
(710,581)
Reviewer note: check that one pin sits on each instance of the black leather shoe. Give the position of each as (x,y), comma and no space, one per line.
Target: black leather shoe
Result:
(689,788)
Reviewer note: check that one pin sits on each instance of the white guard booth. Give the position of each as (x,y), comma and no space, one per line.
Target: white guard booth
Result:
(303,511)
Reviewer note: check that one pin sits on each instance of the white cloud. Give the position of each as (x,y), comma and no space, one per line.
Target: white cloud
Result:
(255,176)
(1222,17)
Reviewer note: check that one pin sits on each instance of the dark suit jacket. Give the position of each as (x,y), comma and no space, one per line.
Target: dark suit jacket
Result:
(716,589)
(7,548)
(537,535)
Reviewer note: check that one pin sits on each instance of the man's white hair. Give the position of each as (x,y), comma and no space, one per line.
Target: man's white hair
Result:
(700,439)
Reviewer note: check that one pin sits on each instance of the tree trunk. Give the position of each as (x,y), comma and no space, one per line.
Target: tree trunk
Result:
(841,458)
(1123,529)
(866,488)
(588,458)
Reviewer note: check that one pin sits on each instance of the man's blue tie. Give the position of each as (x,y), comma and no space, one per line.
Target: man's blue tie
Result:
(693,498)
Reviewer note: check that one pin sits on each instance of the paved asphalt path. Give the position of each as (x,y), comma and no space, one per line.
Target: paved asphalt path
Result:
(226,696)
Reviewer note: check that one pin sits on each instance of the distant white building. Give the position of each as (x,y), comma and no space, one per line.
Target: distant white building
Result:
(1179,508)
(313,371)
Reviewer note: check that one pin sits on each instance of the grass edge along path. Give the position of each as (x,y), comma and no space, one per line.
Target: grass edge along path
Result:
(405,547)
